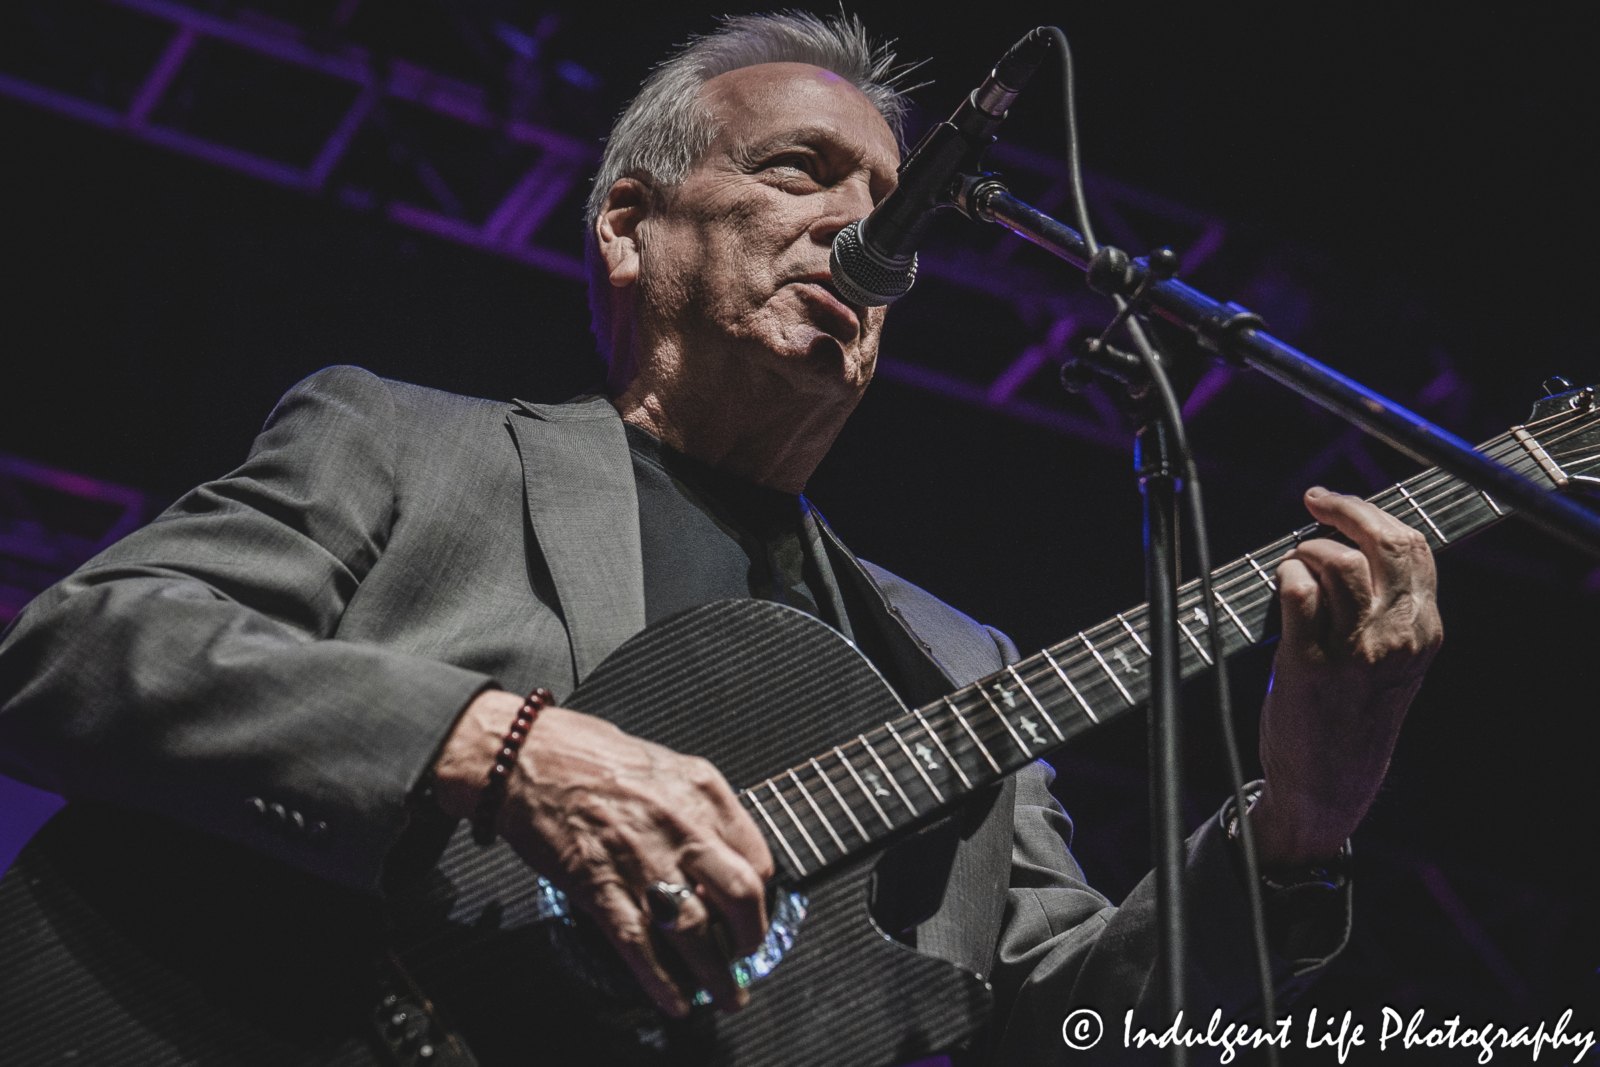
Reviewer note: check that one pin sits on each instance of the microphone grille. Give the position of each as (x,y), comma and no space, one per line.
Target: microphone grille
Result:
(864,278)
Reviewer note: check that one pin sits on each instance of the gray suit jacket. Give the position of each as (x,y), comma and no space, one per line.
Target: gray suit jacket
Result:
(306,630)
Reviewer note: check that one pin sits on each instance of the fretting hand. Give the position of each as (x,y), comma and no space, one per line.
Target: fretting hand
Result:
(1359,628)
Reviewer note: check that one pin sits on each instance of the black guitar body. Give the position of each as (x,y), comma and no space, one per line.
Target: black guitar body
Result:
(128,939)
(754,687)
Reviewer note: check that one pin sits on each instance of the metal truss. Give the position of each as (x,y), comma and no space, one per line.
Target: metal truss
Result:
(314,112)
(355,85)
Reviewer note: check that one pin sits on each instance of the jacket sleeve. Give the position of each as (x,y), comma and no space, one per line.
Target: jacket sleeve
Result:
(1064,946)
(194,669)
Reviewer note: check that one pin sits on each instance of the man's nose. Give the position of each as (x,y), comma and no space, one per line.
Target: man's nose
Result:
(844,204)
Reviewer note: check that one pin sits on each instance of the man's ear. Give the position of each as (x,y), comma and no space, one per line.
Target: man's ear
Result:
(617,229)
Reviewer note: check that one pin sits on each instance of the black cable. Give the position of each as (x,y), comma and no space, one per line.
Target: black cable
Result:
(1202,544)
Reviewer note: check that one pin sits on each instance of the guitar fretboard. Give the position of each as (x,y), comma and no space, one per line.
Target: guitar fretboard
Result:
(907,771)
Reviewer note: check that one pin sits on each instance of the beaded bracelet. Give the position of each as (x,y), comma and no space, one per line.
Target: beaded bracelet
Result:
(494,793)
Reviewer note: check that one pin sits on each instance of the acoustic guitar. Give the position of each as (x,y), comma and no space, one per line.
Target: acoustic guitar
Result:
(834,768)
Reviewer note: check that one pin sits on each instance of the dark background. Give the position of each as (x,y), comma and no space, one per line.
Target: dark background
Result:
(1431,159)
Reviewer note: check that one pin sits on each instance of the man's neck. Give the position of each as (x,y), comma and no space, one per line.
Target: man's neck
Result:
(753,427)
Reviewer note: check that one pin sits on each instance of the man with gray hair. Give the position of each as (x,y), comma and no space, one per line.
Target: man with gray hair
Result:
(317,659)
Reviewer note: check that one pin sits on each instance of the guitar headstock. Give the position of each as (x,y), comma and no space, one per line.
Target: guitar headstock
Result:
(1567,425)
(1563,400)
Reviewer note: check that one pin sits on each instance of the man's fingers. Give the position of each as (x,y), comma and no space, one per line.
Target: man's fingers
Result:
(629,930)
(734,889)
(1301,598)
(694,942)
(1397,554)
(1343,580)
(737,828)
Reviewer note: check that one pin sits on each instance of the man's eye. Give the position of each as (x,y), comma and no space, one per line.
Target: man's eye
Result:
(799,163)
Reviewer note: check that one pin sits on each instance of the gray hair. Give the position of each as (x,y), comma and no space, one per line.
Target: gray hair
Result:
(664,130)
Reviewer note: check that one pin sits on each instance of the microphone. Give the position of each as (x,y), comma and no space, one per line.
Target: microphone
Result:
(874,259)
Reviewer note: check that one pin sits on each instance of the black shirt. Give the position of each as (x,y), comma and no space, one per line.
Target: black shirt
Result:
(707,535)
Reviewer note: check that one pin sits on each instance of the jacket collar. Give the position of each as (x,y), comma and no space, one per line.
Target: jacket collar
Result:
(584,512)
(882,631)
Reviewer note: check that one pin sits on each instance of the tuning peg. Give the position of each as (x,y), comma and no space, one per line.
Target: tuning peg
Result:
(1556,384)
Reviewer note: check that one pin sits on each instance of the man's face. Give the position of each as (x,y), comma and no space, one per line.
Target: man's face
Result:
(735,260)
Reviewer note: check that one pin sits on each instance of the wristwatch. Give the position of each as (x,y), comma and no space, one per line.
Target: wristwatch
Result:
(1331,874)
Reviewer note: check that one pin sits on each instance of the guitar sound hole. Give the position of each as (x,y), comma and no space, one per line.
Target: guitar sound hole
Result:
(786,907)
(788,913)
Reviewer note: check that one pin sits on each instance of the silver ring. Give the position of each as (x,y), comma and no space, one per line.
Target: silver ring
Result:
(664,900)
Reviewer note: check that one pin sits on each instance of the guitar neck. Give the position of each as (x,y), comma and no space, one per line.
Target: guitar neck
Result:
(904,773)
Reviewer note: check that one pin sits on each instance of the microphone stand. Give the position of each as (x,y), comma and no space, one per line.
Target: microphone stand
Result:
(1238,336)
(1160,472)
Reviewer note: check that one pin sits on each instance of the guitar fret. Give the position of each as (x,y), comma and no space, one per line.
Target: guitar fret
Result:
(850,815)
(1193,642)
(915,765)
(1098,658)
(1059,735)
(1087,710)
(1236,620)
(827,781)
(1445,508)
(837,751)
(1264,576)
(784,841)
(951,759)
(826,825)
(1004,722)
(962,719)
(892,779)
(1135,634)
(1443,540)
(797,823)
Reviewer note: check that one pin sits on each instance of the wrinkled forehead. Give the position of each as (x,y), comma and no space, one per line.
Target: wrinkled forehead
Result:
(769,100)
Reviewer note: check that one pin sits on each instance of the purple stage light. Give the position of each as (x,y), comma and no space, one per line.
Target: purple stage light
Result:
(51,521)
(23,810)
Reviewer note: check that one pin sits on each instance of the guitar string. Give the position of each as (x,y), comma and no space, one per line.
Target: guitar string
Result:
(1046,678)
(1512,446)
(1464,493)
(1575,416)
(1456,487)
(1430,501)
(1574,452)
(957,744)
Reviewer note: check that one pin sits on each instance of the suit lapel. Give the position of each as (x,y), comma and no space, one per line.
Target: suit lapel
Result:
(969,853)
(584,512)
(901,654)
